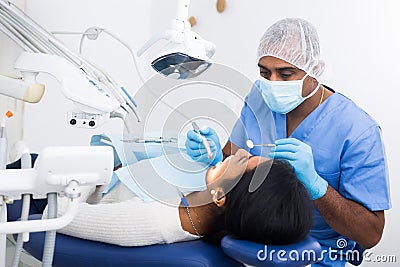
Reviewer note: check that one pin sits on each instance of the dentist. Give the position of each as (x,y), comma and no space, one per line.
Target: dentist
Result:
(335,147)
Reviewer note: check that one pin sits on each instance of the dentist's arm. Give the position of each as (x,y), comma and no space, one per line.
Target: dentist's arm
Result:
(345,216)
(351,219)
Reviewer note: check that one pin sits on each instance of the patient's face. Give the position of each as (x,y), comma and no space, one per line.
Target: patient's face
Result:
(233,166)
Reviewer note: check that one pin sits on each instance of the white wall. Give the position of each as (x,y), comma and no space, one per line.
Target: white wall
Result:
(359,38)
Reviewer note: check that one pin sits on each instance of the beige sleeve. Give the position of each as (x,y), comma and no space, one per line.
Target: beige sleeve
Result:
(125,221)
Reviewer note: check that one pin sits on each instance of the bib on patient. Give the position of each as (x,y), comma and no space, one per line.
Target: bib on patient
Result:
(154,171)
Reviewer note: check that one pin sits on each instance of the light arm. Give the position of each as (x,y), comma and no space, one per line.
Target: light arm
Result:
(76,85)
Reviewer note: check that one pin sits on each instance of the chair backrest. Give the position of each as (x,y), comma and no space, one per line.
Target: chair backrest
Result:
(302,253)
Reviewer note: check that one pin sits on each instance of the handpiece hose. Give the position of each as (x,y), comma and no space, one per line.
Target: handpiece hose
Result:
(196,128)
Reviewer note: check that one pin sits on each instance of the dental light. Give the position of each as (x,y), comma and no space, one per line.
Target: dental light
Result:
(189,54)
(97,97)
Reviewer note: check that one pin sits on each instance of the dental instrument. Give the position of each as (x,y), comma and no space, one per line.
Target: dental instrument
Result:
(196,128)
(151,140)
(250,144)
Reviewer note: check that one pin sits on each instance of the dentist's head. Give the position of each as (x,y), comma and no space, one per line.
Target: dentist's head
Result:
(290,64)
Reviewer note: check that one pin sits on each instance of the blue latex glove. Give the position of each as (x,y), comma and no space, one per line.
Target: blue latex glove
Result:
(196,149)
(301,158)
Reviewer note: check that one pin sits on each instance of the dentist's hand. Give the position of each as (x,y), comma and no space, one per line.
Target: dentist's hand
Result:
(196,149)
(301,158)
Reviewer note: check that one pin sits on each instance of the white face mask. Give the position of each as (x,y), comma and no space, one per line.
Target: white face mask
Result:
(283,96)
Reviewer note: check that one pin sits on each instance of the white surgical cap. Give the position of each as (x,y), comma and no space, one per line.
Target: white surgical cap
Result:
(295,41)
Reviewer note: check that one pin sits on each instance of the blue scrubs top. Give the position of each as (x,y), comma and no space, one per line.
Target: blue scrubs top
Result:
(348,153)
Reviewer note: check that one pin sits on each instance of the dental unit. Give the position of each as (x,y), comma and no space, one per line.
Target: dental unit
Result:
(250,144)
(97,96)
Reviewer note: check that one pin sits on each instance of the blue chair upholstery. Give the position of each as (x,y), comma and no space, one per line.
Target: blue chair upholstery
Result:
(254,254)
(75,252)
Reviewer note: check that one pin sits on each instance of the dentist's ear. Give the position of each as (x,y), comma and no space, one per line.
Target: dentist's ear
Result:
(218,197)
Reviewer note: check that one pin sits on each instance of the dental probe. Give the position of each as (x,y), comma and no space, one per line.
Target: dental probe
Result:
(196,128)
(250,144)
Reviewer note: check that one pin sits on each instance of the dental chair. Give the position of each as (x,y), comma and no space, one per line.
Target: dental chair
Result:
(71,251)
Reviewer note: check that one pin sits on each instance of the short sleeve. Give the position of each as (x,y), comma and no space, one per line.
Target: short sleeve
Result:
(364,177)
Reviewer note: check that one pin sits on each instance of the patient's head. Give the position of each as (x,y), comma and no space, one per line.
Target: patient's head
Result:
(279,211)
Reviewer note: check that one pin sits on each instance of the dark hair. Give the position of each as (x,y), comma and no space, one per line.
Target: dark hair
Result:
(279,211)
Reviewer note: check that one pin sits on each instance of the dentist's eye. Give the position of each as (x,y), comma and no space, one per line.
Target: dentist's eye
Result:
(286,76)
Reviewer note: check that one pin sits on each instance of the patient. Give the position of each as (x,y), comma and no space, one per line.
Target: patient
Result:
(279,211)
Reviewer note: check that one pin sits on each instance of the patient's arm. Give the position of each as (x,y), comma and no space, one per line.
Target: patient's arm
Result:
(123,219)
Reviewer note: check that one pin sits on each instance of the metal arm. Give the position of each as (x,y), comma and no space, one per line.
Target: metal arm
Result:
(31,37)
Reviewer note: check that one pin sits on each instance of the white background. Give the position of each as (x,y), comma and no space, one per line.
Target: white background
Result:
(360,43)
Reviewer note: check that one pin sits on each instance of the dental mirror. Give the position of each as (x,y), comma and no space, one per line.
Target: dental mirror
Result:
(250,144)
